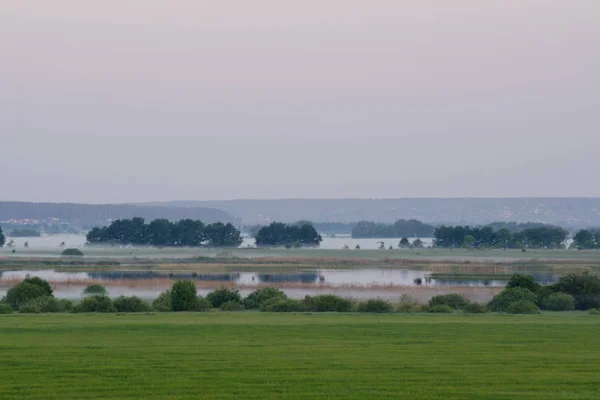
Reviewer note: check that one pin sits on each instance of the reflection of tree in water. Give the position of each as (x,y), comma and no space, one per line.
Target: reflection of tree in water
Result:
(302,278)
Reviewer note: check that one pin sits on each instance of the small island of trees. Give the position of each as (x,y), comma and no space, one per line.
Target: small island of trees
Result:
(280,234)
(548,237)
(162,232)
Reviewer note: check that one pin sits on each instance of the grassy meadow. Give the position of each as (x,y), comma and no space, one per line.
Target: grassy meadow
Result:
(251,355)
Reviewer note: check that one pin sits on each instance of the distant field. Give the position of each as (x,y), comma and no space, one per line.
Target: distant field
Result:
(273,356)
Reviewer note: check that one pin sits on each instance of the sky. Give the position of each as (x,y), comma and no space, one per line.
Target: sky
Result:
(146,100)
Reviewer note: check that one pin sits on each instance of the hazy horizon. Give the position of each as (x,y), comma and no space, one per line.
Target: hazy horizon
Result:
(147,101)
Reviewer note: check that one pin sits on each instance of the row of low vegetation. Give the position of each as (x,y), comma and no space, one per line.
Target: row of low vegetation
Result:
(522,295)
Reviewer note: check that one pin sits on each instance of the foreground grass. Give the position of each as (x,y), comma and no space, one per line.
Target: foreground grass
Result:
(261,356)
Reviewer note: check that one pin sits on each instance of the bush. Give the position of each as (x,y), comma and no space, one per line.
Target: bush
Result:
(163,302)
(222,295)
(98,303)
(49,305)
(328,303)
(232,306)
(30,309)
(408,305)
(475,308)
(375,306)
(130,304)
(44,284)
(440,309)
(255,299)
(584,287)
(23,293)
(452,300)
(183,296)
(95,288)
(522,307)
(593,311)
(72,253)
(5,308)
(504,299)
(523,281)
(202,304)
(278,304)
(66,305)
(558,302)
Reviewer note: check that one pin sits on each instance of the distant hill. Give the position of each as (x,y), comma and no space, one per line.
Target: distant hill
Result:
(88,215)
(574,212)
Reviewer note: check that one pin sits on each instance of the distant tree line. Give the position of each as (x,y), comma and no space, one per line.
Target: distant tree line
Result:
(162,232)
(280,234)
(586,239)
(548,236)
(401,228)
(24,232)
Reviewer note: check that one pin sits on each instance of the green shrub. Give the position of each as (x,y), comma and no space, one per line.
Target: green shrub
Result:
(593,311)
(256,298)
(375,306)
(202,304)
(278,304)
(29,309)
(5,308)
(44,284)
(408,305)
(163,302)
(183,296)
(328,303)
(232,306)
(558,302)
(523,281)
(523,307)
(23,293)
(98,303)
(48,305)
(95,288)
(72,253)
(66,305)
(222,295)
(130,304)
(584,287)
(504,299)
(453,300)
(440,309)
(475,308)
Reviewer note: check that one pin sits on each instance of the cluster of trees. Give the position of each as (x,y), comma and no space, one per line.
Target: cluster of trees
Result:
(587,239)
(401,228)
(548,236)
(2,238)
(24,232)
(162,232)
(279,234)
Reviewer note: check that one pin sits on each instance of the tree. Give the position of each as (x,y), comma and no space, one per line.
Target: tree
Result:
(404,243)
(468,241)
(2,238)
(222,235)
(183,296)
(161,232)
(523,281)
(417,243)
(279,234)
(584,239)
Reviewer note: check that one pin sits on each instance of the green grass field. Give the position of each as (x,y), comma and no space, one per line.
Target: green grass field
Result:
(282,356)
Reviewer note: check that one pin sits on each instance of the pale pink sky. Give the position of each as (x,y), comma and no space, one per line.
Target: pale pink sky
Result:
(156,100)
